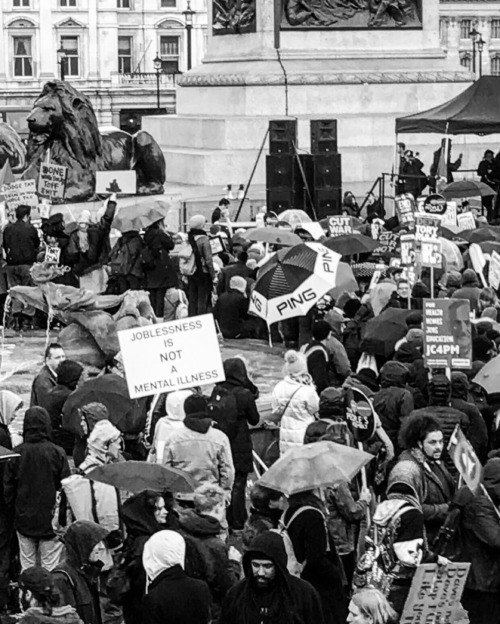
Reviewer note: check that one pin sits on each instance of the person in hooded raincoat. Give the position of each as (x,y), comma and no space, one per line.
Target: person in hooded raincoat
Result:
(470,289)
(77,577)
(31,482)
(172,596)
(269,594)
(166,425)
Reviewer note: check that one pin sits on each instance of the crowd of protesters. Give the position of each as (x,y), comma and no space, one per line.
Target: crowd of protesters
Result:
(74,550)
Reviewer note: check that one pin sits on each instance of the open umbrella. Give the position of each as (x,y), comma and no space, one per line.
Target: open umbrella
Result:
(489,376)
(383,331)
(128,415)
(314,466)
(489,246)
(481,234)
(292,281)
(344,282)
(294,217)
(467,188)
(6,454)
(139,217)
(451,252)
(136,476)
(351,244)
(273,236)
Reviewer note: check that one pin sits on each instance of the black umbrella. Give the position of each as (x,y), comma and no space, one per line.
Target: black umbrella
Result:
(383,331)
(481,234)
(351,244)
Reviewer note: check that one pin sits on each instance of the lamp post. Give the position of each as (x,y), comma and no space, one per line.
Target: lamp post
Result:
(61,57)
(188,19)
(480,48)
(157,64)
(474,34)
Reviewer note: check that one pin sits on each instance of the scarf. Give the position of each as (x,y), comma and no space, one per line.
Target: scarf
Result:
(83,241)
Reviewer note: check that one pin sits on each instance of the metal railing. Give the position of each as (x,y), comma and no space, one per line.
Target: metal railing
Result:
(147,78)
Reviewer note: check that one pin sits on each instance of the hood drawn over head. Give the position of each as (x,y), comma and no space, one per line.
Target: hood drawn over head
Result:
(459,385)
(236,374)
(268,545)
(37,426)
(174,404)
(162,551)
(10,403)
(80,539)
(393,374)
(138,516)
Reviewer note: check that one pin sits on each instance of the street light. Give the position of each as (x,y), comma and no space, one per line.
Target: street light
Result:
(157,64)
(480,48)
(473,35)
(61,57)
(188,19)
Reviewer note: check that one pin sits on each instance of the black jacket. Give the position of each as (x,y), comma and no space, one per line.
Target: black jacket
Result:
(21,243)
(318,365)
(32,480)
(42,384)
(477,433)
(231,270)
(245,393)
(158,269)
(291,600)
(173,597)
(231,311)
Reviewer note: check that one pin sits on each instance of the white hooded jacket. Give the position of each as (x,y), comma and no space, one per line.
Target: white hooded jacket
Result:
(162,551)
(174,408)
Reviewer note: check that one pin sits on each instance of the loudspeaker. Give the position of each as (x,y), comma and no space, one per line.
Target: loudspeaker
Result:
(324,136)
(327,171)
(281,198)
(328,201)
(282,136)
(280,170)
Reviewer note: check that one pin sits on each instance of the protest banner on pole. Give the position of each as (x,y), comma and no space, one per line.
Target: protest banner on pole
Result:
(407,249)
(494,270)
(426,226)
(119,182)
(430,249)
(170,356)
(405,209)
(340,225)
(465,460)
(449,217)
(52,180)
(466,221)
(389,243)
(447,333)
(435,594)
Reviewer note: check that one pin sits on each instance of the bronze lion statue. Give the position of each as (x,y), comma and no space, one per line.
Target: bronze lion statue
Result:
(63,129)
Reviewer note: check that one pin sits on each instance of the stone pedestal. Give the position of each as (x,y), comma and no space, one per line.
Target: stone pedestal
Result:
(362,78)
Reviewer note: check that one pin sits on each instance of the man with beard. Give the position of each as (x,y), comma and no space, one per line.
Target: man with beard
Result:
(269,594)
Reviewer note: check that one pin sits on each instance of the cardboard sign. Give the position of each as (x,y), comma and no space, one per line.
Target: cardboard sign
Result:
(52,254)
(447,333)
(338,226)
(119,182)
(466,221)
(52,180)
(170,356)
(216,245)
(435,594)
(465,460)
(434,204)
(449,218)
(494,270)
(407,249)
(20,193)
(405,209)
(388,245)
(427,226)
(430,252)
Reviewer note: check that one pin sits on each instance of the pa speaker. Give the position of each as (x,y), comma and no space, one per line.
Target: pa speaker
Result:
(282,136)
(328,202)
(280,170)
(324,136)
(327,171)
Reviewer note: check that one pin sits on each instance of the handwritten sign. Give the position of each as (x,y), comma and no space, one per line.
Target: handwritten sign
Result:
(167,356)
(494,270)
(407,249)
(340,225)
(466,221)
(430,252)
(52,180)
(435,594)
(447,333)
(405,208)
(427,226)
(20,193)
(53,255)
(388,244)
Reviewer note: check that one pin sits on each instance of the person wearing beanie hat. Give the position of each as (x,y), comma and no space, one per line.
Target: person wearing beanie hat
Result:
(470,289)
(200,449)
(317,356)
(480,545)
(200,282)
(237,267)
(295,401)
(231,310)
(30,485)
(40,599)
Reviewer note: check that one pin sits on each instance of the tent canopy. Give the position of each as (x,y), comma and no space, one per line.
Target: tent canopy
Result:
(474,111)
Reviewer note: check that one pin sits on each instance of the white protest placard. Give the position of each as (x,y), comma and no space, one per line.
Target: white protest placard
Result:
(170,356)
(52,255)
(407,249)
(405,209)
(52,180)
(449,218)
(466,221)
(494,270)
(427,226)
(119,182)
(430,249)
(22,192)
(340,225)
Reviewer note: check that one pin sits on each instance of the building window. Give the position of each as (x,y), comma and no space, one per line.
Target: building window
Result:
(20,3)
(71,63)
(465,28)
(495,65)
(125,55)
(123,4)
(495,28)
(23,59)
(466,61)
(169,52)
(67,3)
(168,4)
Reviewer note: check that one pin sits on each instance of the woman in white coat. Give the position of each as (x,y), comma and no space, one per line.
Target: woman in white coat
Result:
(295,401)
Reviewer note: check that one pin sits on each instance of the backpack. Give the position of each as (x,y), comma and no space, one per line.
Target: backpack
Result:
(450,542)
(121,260)
(187,261)
(223,408)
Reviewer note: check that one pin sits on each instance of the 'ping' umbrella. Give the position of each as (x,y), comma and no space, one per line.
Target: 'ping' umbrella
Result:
(351,244)
(467,188)
(314,466)
(383,331)
(273,236)
(136,476)
(481,234)
(139,217)
(489,376)
(292,281)
(128,415)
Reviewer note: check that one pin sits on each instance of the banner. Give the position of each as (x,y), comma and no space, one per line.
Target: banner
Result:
(52,180)
(340,225)
(466,221)
(447,333)
(389,243)
(405,209)
(434,204)
(170,356)
(494,270)
(119,182)
(465,460)
(435,594)
(21,192)
(407,249)
(430,252)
